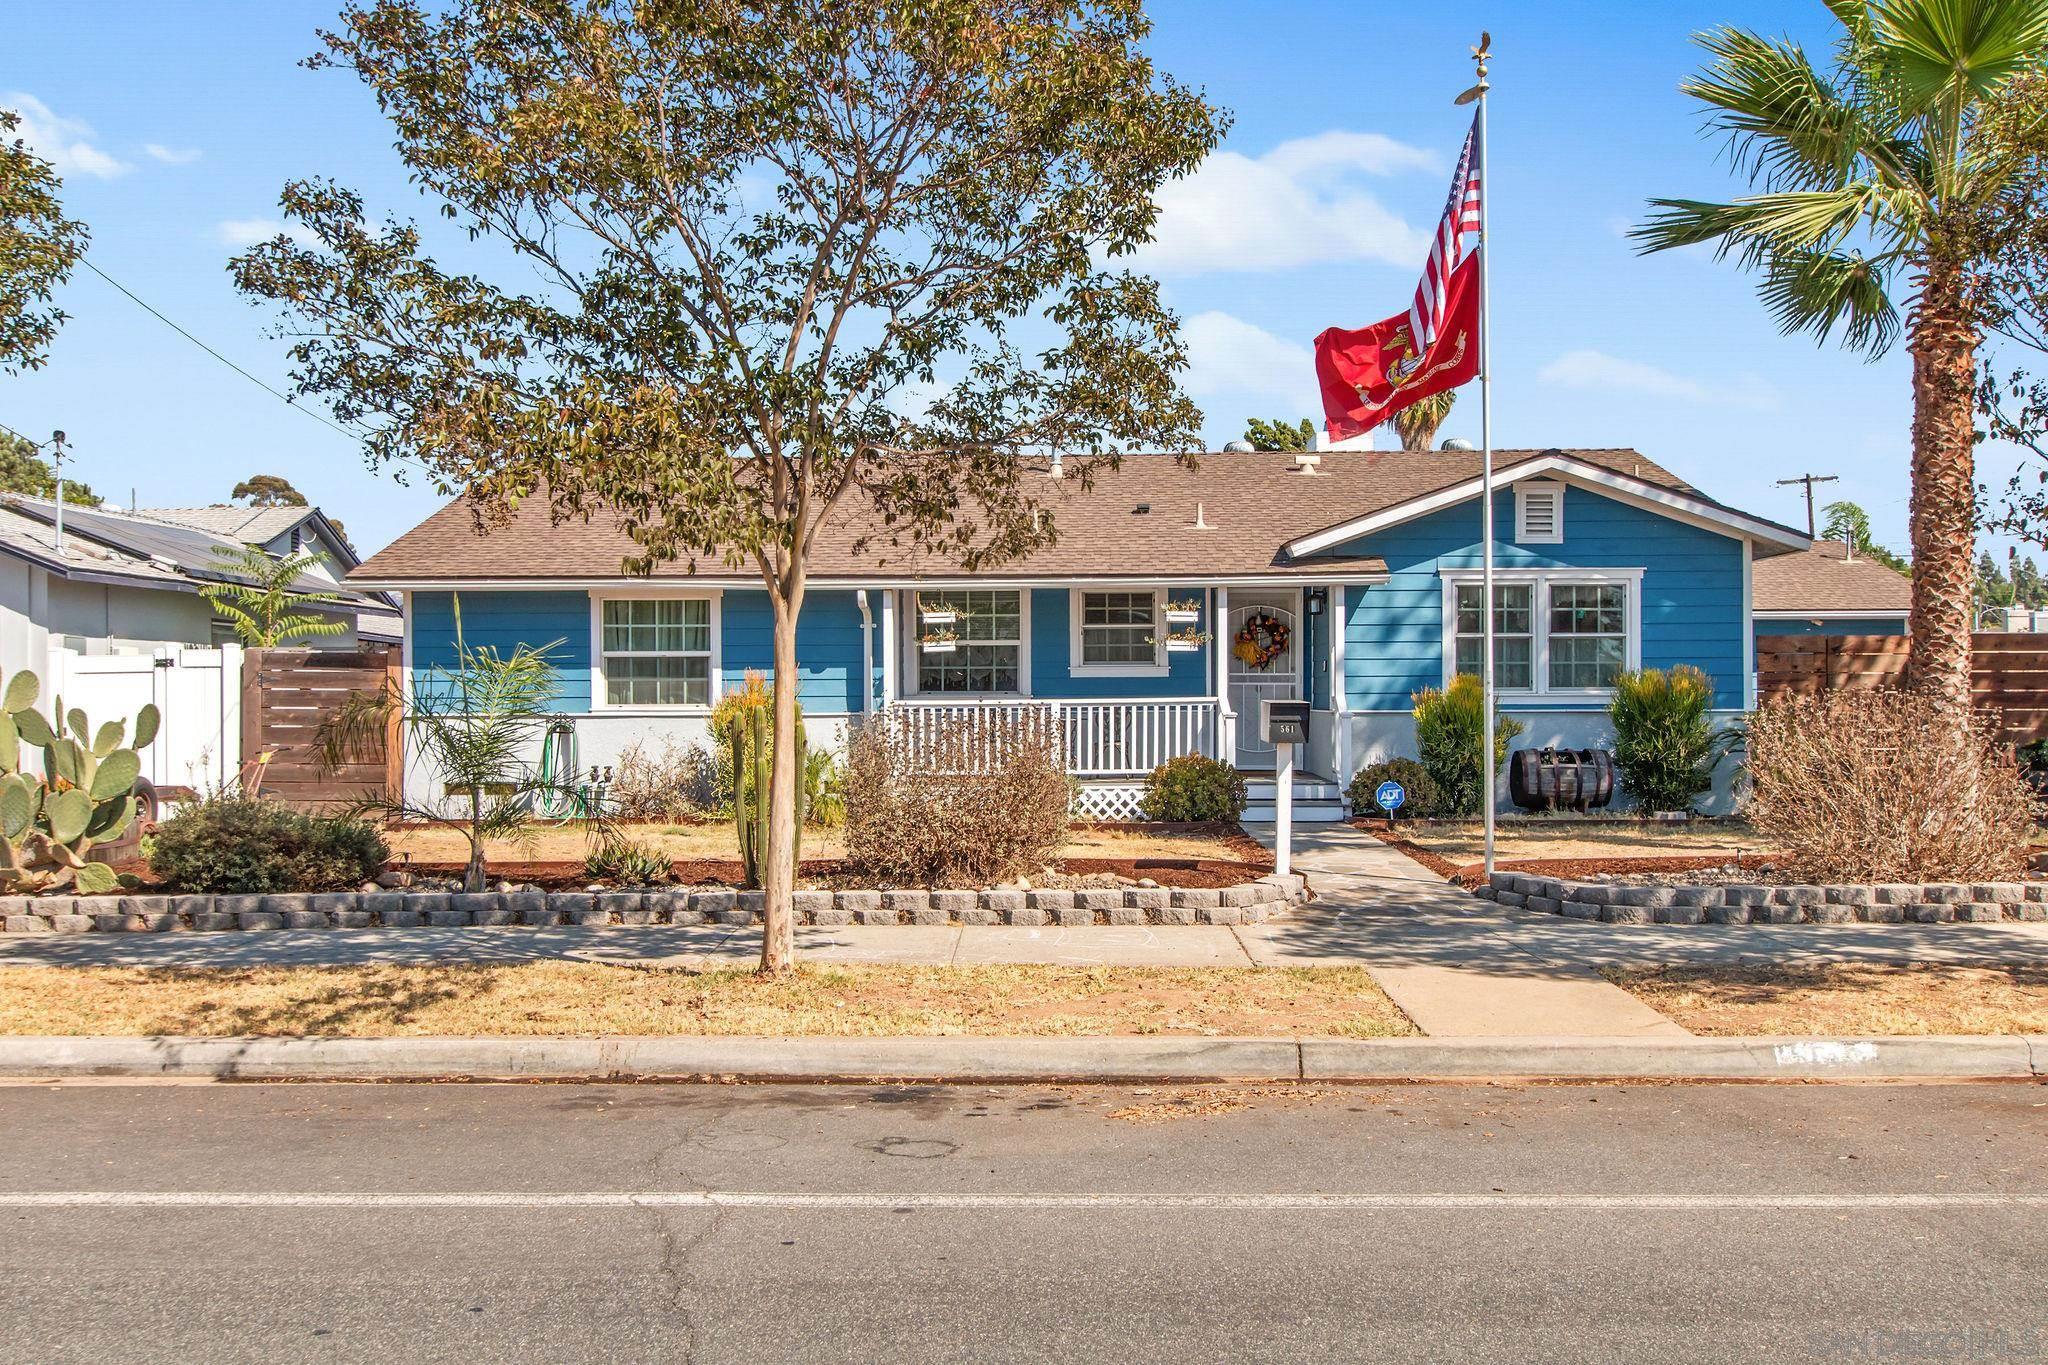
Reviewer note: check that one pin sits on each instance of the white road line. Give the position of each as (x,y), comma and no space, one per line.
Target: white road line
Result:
(736,1199)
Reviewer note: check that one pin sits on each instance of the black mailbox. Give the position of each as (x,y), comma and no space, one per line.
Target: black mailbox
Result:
(1283,721)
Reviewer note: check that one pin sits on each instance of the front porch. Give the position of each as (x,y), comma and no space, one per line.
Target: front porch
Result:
(1111,745)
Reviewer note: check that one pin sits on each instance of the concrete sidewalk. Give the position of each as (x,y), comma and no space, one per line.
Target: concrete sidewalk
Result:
(1459,966)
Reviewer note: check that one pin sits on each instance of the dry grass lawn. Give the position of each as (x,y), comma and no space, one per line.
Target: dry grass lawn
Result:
(562,998)
(716,839)
(1844,999)
(1465,841)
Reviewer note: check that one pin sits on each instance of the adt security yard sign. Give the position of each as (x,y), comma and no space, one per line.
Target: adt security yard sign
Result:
(1390,795)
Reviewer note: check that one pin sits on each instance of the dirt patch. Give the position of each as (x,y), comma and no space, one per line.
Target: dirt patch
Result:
(1517,837)
(1844,999)
(831,874)
(1209,1101)
(1673,869)
(574,998)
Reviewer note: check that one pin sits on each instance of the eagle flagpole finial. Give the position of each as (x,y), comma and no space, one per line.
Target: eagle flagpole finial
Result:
(1483,54)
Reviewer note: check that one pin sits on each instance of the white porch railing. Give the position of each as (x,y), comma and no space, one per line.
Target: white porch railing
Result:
(1097,738)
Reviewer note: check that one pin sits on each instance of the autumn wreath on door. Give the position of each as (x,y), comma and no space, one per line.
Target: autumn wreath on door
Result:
(1261,640)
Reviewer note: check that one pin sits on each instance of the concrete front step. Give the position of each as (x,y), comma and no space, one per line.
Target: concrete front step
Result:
(1305,789)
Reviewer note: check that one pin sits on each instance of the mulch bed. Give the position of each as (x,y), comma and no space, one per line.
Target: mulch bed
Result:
(1470,875)
(832,873)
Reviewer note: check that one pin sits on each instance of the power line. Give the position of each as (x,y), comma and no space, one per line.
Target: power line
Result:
(1810,480)
(273,392)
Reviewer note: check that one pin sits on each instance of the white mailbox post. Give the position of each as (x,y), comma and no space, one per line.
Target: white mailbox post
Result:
(1284,724)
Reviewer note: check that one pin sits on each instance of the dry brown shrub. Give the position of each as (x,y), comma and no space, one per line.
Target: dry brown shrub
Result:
(1886,787)
(960,800)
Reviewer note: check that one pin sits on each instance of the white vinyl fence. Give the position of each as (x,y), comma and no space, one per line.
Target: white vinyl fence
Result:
(197,691)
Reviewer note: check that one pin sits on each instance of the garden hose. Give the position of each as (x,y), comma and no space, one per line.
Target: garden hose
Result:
(558,770)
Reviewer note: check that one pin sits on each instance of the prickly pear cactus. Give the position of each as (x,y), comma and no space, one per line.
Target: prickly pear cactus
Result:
(84,795)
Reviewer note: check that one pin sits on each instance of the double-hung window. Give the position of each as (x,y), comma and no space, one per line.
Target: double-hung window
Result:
(1118,631)
(1554,631)
(986,650)
(656,651)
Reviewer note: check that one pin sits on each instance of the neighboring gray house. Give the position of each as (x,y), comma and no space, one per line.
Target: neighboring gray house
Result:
(288,530)
(128,582)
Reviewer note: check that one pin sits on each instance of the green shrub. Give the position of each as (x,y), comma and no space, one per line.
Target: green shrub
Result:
(628,863)
(1193,787)
(1448,732)
(237,845)
(1664,741)
(1423,797)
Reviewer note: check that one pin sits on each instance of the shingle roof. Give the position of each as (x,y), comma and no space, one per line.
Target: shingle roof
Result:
(1825,581)
(82,556)
(1250,505)
(250,525)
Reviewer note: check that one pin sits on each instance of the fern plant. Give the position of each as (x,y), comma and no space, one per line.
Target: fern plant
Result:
(261,602)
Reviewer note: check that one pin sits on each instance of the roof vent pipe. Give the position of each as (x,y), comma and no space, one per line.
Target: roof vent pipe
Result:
(1200,525)
(1056,469)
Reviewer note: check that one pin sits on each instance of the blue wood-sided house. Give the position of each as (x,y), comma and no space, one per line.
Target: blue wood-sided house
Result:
(1176,598)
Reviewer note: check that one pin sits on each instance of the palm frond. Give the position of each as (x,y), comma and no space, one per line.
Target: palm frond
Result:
(1818,291)
(1757,226)
(1955,54)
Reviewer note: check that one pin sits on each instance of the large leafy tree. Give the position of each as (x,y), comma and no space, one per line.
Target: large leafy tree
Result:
(1277,433)
(1850,524)
(268,490)
(38,248)
(796,259)
(1875,173)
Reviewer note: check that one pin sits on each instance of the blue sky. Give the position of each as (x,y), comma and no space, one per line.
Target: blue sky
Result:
(176,125)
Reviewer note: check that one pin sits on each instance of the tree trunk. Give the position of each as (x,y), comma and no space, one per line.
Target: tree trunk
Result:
(778,911)
(1944,515)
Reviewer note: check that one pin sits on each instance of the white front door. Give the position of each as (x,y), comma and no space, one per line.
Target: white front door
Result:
(1268,664)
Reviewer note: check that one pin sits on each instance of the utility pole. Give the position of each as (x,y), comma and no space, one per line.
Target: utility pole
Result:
(1810,480)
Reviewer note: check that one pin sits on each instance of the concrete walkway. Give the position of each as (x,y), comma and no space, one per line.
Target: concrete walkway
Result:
(1460,967)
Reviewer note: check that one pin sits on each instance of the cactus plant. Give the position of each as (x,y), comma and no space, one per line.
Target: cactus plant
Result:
(753,750)
(84,796)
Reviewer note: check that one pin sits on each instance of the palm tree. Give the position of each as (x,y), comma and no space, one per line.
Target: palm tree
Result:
(1417,423)
(1872,173)
(261,602)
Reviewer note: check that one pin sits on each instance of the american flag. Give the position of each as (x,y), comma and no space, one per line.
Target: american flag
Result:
(1461,215)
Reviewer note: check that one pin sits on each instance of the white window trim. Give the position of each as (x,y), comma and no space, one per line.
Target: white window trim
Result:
(912,631)
(599,688)
(1523,490)
(1539,612)
(1077,597)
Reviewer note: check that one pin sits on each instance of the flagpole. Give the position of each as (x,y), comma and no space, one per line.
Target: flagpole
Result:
(1481,56)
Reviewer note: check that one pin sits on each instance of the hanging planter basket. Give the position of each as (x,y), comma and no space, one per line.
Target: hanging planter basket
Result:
(1179,646)
(1184,616)
(937,616)
(938,646)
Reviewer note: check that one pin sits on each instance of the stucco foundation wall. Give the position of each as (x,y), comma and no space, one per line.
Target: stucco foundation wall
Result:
(1380,735)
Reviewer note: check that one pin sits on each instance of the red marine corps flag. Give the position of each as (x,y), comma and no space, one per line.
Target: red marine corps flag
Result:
(1370,374)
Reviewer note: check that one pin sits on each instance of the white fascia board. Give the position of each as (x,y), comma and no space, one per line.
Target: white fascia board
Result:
(1825,613)
(1637,492)
(699,585)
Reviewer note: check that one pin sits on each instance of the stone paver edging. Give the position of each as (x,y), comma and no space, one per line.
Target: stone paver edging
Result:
(1031,1059)
(1614,902)
(1248,903)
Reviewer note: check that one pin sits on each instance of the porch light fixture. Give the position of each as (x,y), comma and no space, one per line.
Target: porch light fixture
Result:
(1318,599)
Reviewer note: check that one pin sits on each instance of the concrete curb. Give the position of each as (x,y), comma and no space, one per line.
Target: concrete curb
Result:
(1032,1059)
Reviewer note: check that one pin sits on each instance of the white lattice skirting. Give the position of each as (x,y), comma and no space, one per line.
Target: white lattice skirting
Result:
(1109,800)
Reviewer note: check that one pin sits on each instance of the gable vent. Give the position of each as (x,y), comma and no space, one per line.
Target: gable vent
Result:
(1539,512)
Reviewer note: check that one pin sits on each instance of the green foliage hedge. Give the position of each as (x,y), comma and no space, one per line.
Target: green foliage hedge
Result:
(1193,787)
(1423,797)
(1448,733)
(239,845)
(1664,741)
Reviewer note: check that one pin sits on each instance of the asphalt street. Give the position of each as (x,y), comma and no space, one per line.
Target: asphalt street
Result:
(763,1223)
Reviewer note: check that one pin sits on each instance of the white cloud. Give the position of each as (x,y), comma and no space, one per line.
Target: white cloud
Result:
(247,231)
(1589,369)
(63,142)
(171,156)
(1299,204)
(1226,354)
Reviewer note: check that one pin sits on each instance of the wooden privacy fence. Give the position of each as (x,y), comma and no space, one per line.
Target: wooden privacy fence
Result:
(286,696)
(2009,672)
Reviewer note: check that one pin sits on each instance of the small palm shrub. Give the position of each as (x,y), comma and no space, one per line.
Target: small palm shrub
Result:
(1884,787)
(1449,730)
(240,845)
(1193,787)
(968,801)
(1423,798)
(1664,741)
(628,862)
